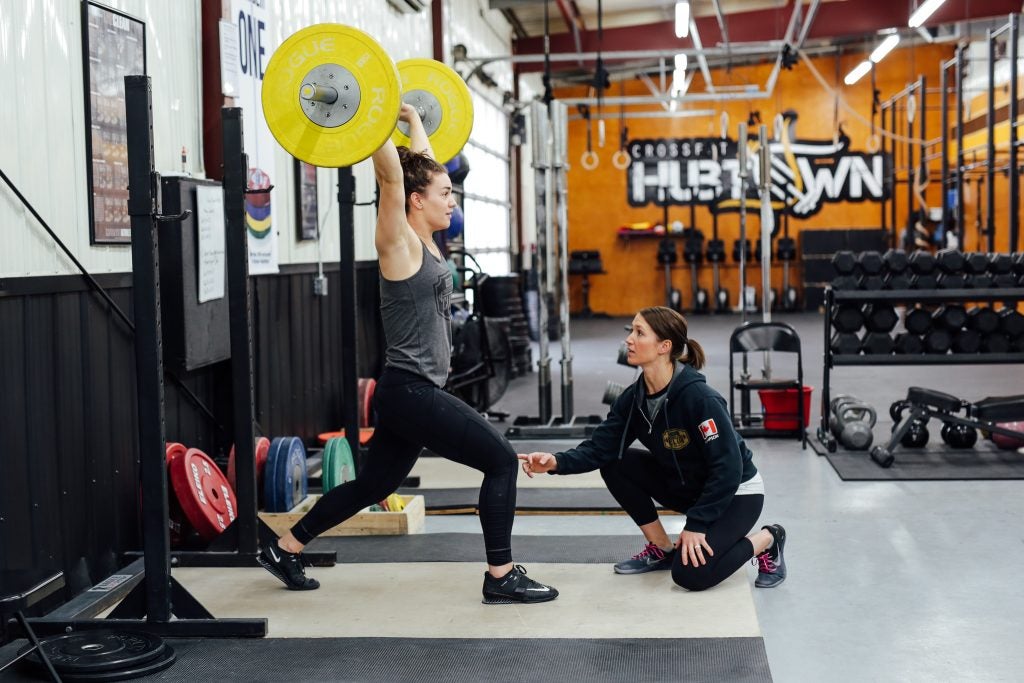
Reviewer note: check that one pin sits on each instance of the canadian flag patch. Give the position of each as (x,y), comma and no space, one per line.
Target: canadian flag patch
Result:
(709,430)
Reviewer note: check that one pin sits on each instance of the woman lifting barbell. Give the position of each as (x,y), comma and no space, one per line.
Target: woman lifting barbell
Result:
(413,411)
(695,463)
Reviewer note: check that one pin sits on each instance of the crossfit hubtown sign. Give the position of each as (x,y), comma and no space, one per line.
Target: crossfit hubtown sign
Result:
(805,174)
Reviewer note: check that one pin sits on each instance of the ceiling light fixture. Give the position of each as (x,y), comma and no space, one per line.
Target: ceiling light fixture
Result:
(923,11)
(681,61)
(858,72)
(879,53)
(683,18)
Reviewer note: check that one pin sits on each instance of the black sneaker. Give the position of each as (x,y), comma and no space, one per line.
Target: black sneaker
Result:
(515,587)
(650,559)
(771,564)
(286,566)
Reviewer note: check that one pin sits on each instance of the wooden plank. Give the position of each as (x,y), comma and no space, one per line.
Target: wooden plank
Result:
(408,521)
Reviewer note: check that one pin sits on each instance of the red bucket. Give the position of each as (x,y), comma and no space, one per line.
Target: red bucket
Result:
(780,408)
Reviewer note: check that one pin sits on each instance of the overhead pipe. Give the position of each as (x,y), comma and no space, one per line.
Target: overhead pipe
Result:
(702,61)
(721,26)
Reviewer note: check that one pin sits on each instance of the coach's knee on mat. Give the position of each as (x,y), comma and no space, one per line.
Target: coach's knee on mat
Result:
(692,578)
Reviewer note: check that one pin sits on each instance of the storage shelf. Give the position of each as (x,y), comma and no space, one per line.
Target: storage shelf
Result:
(928,359)
(928,295)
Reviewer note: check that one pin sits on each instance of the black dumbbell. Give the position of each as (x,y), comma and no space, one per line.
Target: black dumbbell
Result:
(1018,262)
(896,281)
(922,262)
(844,282)
(996,342)
(847,318)
(975,267)
(967,341)
(896,261)
(950,316)
(870,262)
(917,321)
(877,344)
(983,319)
(880,317)
(1011,323)
(937,340)
(950,261)
(716,251)
(844,262)
(844,343)
(870,282)
(1000,267)
(906,343)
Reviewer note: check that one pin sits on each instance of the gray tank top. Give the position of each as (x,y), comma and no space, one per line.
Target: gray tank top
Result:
(418,320)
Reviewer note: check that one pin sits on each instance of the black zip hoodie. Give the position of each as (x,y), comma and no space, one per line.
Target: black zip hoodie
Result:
(691,436)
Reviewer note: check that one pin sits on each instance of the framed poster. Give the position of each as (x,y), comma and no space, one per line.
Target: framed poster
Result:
(113,46)
(306,216)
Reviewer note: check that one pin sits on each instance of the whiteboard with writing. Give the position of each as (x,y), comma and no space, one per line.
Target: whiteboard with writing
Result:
(210,249)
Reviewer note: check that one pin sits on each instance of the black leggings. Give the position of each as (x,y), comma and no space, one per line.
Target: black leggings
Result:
(637,478)
(413,413)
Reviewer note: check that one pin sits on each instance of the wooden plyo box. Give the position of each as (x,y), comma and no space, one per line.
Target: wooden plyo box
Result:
(364,523)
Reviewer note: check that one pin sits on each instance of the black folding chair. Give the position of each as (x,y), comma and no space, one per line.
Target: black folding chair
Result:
(772,337)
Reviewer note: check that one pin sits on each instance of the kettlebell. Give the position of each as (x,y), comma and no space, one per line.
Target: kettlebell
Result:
(851,421)
(959,435)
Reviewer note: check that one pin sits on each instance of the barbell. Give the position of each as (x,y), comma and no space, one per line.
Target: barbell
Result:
(331,97)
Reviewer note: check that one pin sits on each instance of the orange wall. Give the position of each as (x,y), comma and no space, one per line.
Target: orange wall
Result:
(598,198)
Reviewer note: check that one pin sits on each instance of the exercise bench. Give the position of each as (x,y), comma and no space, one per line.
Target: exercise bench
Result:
(922,404)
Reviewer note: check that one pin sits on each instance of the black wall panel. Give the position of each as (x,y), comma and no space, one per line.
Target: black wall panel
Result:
(69,491)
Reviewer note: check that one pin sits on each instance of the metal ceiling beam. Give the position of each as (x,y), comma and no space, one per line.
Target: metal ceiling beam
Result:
(811,12)
(621,55)
(569,16)
(702,61)
(721,24)
(831,20)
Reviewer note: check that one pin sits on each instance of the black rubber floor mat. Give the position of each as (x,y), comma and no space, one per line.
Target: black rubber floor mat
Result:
(469,547)
(528,500)
(934,462)
(470,660)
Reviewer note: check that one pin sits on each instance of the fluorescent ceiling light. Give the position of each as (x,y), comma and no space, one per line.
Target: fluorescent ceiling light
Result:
(920,15)
(682,19)
(885,48)
(679,82)
(681,61)
(858,72)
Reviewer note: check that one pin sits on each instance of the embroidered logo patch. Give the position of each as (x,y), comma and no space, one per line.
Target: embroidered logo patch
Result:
(709,430)
(675,439)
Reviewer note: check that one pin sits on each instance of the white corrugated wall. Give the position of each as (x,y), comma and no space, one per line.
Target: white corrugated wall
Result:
(42,123)
(42,115)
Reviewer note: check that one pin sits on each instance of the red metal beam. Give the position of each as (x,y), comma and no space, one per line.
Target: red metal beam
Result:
(834,19)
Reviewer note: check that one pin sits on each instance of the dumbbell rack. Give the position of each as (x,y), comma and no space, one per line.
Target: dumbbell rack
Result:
(937,296)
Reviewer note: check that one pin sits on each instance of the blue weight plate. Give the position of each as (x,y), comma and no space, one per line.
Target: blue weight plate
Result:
(271,474)
(291,473)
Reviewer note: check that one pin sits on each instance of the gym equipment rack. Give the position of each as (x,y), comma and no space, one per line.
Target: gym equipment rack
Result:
(937,296)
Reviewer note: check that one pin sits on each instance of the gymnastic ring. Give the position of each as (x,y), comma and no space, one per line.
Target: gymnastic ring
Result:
(621,160)
(874,143)
(589,160)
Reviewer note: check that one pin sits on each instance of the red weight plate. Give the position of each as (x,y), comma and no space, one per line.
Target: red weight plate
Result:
(262,449)
(203,492)
(366,387)
(173,450)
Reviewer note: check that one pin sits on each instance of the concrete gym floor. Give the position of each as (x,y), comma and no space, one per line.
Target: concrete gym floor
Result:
(888,581)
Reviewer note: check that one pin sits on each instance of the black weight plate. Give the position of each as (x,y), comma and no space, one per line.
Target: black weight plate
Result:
(98,651)
(151,667)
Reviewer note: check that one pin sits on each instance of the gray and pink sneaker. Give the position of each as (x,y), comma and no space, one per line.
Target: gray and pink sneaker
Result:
(771,564)
(650,559)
